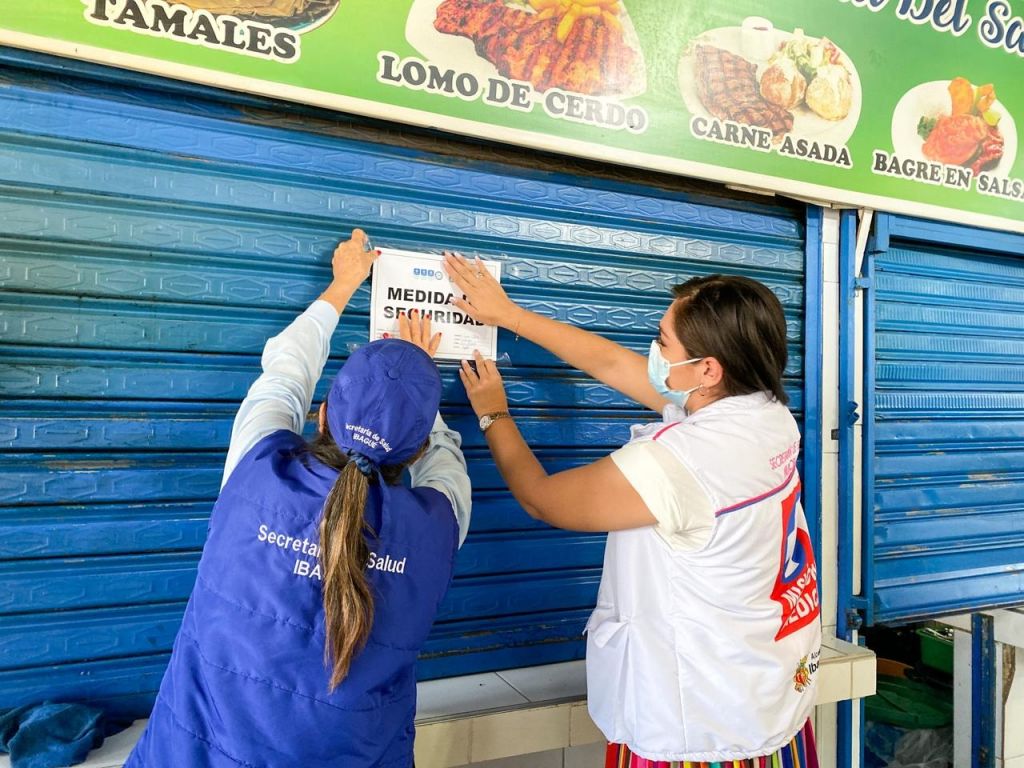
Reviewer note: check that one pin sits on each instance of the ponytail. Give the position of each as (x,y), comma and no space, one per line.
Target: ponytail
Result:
(348,600)
(347,596)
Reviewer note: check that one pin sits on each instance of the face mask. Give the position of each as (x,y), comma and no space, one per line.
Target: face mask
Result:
(658,369)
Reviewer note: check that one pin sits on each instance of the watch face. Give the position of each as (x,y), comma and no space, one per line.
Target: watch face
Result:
(486,421)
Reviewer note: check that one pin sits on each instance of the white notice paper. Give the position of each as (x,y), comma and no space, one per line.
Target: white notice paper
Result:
(406,280)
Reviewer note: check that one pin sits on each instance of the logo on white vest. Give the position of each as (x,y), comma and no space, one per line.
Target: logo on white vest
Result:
(796,586)
(804,675)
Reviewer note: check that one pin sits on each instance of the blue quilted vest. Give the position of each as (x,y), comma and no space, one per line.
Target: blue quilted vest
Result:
(247,684)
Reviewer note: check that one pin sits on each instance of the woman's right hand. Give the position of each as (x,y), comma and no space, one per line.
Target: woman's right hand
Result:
(484,385)
(414,327)
(486,301)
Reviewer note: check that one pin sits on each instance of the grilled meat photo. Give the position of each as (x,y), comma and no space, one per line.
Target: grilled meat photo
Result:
(594,59)
(727,86)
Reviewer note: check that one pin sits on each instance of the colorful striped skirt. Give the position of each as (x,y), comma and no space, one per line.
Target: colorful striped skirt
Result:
(798,753)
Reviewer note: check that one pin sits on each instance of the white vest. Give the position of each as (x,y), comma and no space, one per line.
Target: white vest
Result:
(711,655)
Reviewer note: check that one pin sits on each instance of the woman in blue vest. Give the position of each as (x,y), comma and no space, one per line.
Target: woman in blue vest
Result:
(321,574)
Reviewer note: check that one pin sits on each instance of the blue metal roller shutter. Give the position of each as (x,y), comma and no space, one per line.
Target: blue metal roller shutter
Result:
(945,529)
(151,243)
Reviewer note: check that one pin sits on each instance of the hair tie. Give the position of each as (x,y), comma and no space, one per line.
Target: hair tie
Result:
(363,463)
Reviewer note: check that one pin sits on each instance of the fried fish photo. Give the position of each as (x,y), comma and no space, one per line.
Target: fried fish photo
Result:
(958,123)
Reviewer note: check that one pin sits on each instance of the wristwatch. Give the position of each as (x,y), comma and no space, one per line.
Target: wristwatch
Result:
(489,418)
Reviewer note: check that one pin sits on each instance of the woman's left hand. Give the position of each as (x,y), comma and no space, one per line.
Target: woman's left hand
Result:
(484,386)
(414,327)
(352,260)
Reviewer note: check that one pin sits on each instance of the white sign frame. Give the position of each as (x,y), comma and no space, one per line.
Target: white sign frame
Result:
(421,279)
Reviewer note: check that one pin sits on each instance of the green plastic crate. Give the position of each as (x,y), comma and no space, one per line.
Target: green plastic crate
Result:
(936,649)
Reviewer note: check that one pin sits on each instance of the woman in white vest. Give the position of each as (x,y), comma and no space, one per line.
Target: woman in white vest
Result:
(706,637)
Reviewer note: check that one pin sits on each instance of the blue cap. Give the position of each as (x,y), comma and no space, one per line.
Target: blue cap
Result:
(383,401)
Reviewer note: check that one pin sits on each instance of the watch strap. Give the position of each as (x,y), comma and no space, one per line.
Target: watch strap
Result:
(488,419)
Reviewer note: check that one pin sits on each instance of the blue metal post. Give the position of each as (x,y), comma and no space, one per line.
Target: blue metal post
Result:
(983,692)
(812,375)
(847,418)
(867,498)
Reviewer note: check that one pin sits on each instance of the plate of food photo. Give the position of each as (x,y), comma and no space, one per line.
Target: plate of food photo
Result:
(299,15)
(584,46)
(955,122)
(785,82)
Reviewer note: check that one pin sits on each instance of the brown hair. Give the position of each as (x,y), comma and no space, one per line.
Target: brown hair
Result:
(347,597)
(740,323)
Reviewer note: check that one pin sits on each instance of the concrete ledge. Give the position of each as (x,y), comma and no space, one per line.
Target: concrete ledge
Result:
(463,720)
(543,722)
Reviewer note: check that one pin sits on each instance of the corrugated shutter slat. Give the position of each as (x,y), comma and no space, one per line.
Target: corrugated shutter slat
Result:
(151,244)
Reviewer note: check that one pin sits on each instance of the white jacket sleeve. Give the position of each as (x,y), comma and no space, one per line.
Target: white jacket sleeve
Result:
(685,515)
(281,397)
(443,468)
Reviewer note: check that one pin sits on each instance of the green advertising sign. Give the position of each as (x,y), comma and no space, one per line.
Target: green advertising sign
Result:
(908,106)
